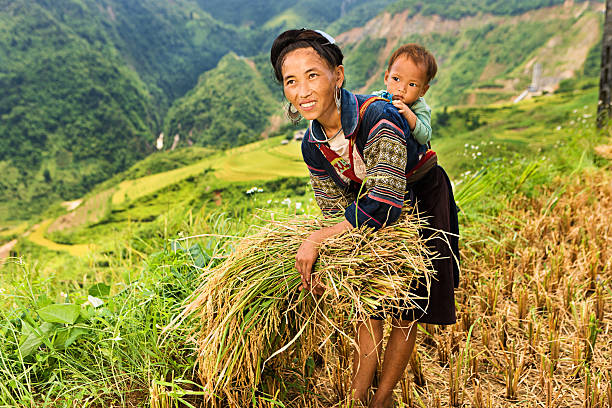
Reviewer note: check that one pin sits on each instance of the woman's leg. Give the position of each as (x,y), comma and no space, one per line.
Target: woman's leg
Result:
(366,357)
(397,354)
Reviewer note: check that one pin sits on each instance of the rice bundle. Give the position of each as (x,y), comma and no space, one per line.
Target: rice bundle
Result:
(251,310)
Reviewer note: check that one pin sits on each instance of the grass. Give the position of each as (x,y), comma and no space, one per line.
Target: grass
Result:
(531,129)
(259,161)
(14,230)
(533,327)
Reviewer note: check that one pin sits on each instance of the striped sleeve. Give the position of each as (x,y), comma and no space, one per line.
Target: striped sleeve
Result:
(385,157)
(330,198)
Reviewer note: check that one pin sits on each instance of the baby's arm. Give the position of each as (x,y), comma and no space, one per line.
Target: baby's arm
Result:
(418,118)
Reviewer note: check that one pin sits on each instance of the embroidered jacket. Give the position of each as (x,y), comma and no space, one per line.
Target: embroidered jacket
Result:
(382,138)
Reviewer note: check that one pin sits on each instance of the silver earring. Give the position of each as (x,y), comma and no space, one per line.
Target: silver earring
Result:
(293,114)
(338,98)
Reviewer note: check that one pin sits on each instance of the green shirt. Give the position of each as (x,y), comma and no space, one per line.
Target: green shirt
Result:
(422,128)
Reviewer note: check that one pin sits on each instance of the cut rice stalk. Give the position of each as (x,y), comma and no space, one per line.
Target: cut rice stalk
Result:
(250,308)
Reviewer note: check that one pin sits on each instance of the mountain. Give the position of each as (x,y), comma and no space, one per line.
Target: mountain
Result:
(487,52)
(229,106)
(482,58)
(70,114)
(86,86)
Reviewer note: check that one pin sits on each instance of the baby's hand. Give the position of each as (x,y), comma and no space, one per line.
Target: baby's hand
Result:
(401,106)
(406,112)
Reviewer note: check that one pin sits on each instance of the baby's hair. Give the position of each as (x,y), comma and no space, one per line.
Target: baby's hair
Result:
(419,55)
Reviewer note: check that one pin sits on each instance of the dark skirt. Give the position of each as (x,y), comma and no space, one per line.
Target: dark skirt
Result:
(434,195)
(434,200)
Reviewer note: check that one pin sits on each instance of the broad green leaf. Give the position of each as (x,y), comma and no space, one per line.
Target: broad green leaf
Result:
(66,337)
(198,255)
(60,313)
(43,301)
(99,289)
(31,339)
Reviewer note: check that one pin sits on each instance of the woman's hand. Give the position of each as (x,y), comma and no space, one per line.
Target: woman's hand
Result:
(308,253)
(305,259)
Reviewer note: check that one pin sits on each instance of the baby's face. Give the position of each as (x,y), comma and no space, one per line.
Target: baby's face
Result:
(406,80)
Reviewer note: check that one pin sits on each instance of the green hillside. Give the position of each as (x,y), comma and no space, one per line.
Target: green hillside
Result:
(456,10)
(72,115)
(229,106)
(87,86)
(482,59)
(168,44)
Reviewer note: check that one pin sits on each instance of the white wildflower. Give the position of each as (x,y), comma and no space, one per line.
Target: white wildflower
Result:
(94,301)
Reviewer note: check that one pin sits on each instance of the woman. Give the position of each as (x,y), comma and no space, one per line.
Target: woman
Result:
(354,140)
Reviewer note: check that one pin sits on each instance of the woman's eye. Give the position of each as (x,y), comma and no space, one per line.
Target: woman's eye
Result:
(290,82)
(312,75)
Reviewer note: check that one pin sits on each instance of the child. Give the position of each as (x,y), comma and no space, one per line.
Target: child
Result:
(411,68)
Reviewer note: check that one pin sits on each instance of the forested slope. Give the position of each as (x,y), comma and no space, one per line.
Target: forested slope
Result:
(71,114)
(482,58)
(87,85)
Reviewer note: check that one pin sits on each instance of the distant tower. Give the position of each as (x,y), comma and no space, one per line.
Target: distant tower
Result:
(535,79)
(605,81)
(159,143)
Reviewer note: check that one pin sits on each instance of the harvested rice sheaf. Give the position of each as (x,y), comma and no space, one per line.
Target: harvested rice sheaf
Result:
(251,313)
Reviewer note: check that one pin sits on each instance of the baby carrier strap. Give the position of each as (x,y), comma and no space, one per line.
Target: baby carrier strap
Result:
(426,162)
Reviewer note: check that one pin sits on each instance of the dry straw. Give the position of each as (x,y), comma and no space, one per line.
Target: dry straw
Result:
(252,320)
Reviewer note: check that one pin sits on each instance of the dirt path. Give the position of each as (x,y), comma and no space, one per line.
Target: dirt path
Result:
(36,235)
(5,250)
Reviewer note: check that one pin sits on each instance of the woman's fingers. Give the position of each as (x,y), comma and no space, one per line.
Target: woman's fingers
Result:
(304,261)
(301,269)
(310,281)
(304,267)
(317,287)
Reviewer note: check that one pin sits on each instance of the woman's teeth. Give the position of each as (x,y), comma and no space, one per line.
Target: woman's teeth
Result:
(308,105)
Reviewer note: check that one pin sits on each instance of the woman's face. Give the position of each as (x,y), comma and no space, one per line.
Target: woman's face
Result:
(309,83)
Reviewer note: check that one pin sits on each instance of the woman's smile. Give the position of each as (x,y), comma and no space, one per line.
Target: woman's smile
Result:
(307,106)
